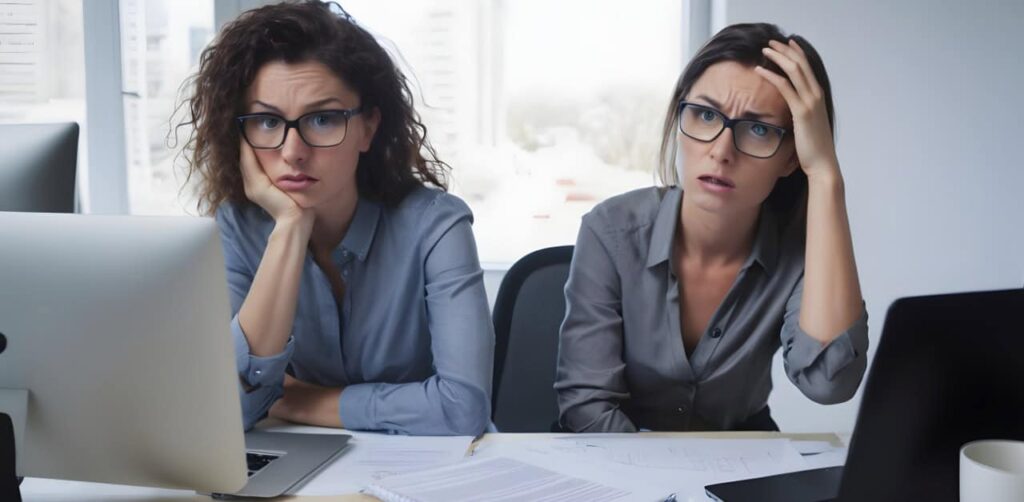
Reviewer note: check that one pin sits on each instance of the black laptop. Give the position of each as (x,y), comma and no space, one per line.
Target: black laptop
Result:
(949,369)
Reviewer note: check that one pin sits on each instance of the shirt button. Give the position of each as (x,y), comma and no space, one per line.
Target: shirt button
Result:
(717,332)
(258,372)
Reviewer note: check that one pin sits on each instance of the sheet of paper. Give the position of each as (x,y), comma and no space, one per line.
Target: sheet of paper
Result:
(497,479)
(372,457)
(652,467)
(748,458)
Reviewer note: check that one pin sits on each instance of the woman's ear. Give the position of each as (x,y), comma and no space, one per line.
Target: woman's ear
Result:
(371,120)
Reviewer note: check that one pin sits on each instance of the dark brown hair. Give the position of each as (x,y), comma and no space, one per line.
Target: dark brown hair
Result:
(399,159)
(742,43)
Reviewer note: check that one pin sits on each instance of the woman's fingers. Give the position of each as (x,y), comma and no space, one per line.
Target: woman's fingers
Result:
(800,57)
(785,88)
(250,168)
(796,54)
(792,70)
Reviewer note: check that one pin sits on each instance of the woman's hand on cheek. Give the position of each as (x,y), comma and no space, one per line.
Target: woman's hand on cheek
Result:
(261,190)
(812,134)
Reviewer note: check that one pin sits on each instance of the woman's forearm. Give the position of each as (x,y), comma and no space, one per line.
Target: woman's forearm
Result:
(306,403)
(267,314)
(832,298)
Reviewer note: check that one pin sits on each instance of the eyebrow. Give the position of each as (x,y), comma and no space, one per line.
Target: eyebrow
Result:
(745,115)
(310,106)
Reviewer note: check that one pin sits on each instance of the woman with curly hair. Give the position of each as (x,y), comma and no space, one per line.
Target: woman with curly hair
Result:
(356,290)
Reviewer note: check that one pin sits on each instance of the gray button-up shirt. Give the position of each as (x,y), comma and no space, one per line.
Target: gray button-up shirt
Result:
(621,361)
(413,343)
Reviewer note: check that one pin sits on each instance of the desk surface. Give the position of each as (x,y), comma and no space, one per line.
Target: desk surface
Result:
(34,489)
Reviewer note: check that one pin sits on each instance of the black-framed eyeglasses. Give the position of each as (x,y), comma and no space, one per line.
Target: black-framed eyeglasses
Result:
(319,129)
(751,137)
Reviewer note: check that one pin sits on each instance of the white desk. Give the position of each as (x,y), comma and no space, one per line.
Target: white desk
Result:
(53,490)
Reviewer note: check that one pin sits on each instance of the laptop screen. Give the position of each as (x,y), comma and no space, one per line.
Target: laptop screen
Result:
(949,370)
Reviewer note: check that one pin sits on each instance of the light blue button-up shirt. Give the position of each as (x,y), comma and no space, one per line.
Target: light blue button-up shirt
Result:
(412,343)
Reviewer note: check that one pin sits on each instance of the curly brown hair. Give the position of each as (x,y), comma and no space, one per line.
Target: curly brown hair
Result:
(399,159)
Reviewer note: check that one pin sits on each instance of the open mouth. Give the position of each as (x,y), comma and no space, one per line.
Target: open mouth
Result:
(716,181)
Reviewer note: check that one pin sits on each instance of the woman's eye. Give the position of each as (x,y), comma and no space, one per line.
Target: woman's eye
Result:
(269,122)
(707,115)
(323,120)
(759,130)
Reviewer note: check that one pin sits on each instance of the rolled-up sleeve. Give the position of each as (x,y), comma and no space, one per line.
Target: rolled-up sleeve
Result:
(261,379)
(590,379)
(828,373)
(456,399)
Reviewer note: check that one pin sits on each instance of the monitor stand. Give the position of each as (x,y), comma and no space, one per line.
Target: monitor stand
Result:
(13,411)
(8,479)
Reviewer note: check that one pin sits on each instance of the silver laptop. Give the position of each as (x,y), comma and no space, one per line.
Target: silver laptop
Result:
(118,365)
(280,463)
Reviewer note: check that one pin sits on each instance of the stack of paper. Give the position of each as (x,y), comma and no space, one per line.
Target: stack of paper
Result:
(569,467)
(372,457)
(651,468)
(494,480)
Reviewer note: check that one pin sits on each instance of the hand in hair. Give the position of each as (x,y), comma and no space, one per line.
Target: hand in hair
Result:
(812,134)
(261,190)
(831,301)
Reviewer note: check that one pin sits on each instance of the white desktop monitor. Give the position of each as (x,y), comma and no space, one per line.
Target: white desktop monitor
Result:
(38,163)
(119,364)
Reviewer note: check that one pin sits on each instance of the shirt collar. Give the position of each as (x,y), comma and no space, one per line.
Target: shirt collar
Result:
(664,229)
(766,242)
(361,231)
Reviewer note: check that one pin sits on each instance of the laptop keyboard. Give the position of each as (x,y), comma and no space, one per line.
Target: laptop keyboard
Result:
(258,461)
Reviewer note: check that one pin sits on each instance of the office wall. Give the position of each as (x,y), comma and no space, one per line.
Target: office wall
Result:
(929,103)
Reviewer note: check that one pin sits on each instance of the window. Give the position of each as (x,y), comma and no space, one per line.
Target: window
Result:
(42,71)
(542,108)
(160,45)
(42,63)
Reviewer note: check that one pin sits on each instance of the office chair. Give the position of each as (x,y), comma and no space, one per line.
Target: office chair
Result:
(528,313)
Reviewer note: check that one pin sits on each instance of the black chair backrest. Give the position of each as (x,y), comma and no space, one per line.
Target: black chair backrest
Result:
(528,313)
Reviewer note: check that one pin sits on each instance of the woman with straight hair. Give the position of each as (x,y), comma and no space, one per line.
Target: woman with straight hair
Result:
(679,296)
(356,290)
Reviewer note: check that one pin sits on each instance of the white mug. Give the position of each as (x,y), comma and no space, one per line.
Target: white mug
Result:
(992,471)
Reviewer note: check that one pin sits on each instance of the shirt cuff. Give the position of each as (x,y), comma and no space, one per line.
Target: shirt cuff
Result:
(256,371)
(610,420)
(835,355)
(356,407)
